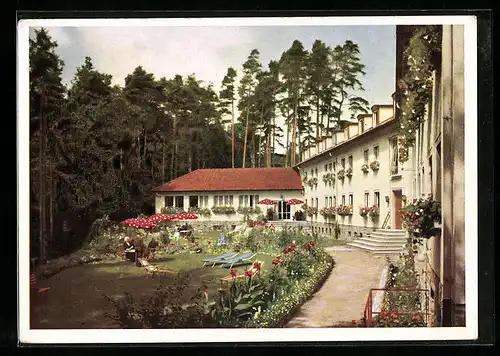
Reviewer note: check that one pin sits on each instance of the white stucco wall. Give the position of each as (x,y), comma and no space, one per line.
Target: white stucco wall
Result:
(381,181)
(273,195)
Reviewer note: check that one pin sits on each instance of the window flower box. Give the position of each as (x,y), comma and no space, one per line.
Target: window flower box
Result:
(344,210)
(341,174)
(364,210)
(228,210)
(171,210)
(247,210)
(348,172)
(312,182)
(328,212)
(375,165)
(365,168)
(328,178)
(200,211)
(374,212)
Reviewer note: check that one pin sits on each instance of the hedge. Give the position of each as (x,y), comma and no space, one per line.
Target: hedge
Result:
(285,307)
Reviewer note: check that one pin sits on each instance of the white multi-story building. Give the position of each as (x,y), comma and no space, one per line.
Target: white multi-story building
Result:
(368,150)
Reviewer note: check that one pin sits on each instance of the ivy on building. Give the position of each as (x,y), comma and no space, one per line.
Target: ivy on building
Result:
(415,87)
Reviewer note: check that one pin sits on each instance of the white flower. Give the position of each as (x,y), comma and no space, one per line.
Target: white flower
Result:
(417,78)
(409,131)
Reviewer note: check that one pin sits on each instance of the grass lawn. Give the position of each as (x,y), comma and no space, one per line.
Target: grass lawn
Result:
(76,298)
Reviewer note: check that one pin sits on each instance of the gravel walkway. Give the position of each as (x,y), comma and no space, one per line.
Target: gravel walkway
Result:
(342,298)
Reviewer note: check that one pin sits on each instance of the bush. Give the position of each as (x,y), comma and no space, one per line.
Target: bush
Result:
(161,310)
(261,218)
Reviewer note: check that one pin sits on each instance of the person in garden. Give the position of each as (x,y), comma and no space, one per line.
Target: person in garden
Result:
(129,247)
(152,246)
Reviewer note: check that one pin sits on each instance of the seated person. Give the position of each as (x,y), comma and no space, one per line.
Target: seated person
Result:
(129,247)
(152,246)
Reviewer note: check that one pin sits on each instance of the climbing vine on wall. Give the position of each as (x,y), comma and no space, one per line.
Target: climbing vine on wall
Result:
(415,87)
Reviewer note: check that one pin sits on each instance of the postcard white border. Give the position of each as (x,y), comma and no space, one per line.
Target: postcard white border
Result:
(469,332)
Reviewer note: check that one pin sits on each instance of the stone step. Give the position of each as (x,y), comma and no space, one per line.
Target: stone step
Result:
(375,245)
(373,249)
(381,242)
(391,232)
(386,237)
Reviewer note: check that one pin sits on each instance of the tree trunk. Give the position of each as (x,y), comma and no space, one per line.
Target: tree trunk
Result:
(317,120)
(41,195)
(245,141)
(288,153)
(163,161)
(268,149)
(259,155)
(232,133)
(51,199)
(273,143)
(294,133)
(298,141)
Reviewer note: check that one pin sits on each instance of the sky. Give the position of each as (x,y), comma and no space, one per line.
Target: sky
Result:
(208,51)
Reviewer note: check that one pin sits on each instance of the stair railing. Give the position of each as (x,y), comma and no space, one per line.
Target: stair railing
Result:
(385,224)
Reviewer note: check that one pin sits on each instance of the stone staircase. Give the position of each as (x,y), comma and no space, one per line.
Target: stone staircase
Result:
(381,241)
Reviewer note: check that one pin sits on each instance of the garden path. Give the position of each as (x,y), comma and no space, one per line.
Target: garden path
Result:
(342,297)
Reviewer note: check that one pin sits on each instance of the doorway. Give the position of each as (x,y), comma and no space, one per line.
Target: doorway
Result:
(397,204)
(283,211)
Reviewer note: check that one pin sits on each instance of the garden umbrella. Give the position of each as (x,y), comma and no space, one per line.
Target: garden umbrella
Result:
(185,216)
(267,202)
(141,223)
(156,218)
(294,202)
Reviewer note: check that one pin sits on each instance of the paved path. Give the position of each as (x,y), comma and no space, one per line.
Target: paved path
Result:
(342,298)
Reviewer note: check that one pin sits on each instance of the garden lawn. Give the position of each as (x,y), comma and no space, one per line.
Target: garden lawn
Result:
(76,298)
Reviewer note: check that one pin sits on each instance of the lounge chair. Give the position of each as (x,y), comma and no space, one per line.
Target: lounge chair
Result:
(237,259)
(252,269)
(34,286)
(153,270)
(214,260)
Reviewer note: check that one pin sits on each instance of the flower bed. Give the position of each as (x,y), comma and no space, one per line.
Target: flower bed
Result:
(283,309)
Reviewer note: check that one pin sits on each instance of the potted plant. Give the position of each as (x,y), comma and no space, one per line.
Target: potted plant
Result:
(365,168)
(348,172)
(422,217)
(374,212)
(341,174)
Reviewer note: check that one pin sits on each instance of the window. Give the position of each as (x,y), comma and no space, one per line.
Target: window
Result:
(334,201)
(316,171)
(326,202)
(193,201)
(330,167)
(312,202)
(375,152)
(334,166)
(169,201)
(377,198)
(256,199)
(350,161)
(330,202)
(362,125)
(246,200)
(342,163)
(326,167)
(312,173)
(240,203)
(394,156)
(251,201)
(367,198)
(365,155)
(350,199)
(343,199)
(179,202)
(216,200)
(226,200)
(206,200)
(316,202)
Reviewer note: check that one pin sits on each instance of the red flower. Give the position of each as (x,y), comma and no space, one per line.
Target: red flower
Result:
(257,266)
(306,246)
(312,243)
(393,315)
(286,250)
(354,322)
(248,273)
(384,315)
(233,272)
(275,261)
(414,318)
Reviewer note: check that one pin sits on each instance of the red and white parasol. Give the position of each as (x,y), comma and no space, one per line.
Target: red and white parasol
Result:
(184,216)
(156,218)
(294,202)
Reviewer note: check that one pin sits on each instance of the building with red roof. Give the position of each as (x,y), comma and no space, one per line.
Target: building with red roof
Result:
(229,193)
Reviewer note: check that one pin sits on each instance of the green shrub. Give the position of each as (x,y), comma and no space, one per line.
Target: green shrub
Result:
(223,210)
(161,310)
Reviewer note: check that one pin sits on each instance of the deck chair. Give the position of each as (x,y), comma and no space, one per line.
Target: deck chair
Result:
(237,259)
(34,286)
(253,269)
(214,260)
(153,270)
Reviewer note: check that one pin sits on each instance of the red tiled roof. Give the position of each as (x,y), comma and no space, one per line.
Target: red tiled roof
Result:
(232,179)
